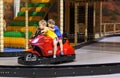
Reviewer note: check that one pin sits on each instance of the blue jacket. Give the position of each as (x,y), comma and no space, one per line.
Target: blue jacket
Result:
(57,31)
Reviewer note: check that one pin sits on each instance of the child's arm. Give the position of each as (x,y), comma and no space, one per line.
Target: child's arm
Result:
(52,29)
(44,30)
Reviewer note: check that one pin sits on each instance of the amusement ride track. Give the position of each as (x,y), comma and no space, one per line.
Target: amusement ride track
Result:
(103,56)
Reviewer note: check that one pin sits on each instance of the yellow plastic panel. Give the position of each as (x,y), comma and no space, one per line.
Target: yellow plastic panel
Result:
(40,1)
(35,18)
(29,9)
(41,9)
(21,29)
(14,42)
(20,18)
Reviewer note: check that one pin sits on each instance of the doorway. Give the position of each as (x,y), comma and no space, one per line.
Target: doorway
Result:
(90,23)
(71,16)
(81,20)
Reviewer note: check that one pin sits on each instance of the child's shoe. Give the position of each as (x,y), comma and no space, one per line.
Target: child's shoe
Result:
(54,56)
(62,53)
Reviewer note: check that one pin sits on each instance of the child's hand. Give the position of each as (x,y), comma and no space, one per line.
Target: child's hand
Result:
(43,32)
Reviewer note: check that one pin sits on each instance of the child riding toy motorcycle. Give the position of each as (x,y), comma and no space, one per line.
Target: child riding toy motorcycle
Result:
(41,51)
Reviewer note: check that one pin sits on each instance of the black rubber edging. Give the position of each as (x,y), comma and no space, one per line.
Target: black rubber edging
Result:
(11,54)
(59,71)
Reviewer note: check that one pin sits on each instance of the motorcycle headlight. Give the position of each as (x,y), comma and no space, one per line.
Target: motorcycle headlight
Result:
(35,40)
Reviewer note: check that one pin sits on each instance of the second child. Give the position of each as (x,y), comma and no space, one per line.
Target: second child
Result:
(48,32)
(51,24)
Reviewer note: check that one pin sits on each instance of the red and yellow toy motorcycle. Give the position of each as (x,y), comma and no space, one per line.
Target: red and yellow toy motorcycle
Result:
(41,51)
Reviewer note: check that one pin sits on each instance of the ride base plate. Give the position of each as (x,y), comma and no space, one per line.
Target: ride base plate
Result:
(47,60)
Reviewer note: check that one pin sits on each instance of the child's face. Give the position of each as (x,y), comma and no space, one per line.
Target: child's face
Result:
(50,25)
(42,26)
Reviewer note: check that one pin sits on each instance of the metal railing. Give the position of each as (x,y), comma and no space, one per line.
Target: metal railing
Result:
(114,30)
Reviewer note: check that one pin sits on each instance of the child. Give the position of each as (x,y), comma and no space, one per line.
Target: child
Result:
(48,32)
(51,24)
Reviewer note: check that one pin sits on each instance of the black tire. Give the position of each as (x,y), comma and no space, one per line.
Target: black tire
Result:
(30,57)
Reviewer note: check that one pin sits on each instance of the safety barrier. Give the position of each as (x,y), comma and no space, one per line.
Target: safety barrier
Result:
(110,28)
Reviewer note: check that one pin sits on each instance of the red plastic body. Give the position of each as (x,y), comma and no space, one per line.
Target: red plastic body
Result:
(45,44)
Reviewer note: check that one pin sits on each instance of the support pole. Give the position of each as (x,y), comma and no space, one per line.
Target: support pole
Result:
(61,15)
(86,21)
(114,28)
(100,34)
(26,23)
(1,27)
(94,19)
(104,29)
(76,16)
(67,18)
